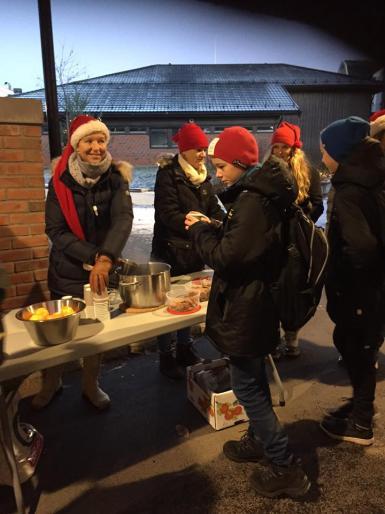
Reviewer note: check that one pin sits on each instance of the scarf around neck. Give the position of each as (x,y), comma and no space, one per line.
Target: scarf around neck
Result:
(85,174)
(196,177)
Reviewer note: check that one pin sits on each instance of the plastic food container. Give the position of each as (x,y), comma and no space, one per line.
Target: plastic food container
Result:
(203,286)
(182,300)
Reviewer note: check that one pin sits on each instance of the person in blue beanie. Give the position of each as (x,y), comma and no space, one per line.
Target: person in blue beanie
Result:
(356,273)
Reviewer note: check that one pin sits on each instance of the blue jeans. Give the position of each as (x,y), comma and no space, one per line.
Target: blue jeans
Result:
(165,340)
(251,387)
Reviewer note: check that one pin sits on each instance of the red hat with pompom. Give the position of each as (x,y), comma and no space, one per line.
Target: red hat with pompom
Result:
(190,136)
(287,134)
(235,145)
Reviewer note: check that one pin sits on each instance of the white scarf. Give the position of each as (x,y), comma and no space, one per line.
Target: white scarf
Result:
(196,177)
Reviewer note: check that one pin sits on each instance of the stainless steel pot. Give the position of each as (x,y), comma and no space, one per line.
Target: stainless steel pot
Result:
(143,285)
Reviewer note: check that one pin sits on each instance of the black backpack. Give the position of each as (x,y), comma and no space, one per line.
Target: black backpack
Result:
(297,292)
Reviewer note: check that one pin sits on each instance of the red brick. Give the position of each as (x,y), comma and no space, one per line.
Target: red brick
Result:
(11,155)
(24,288)
(30,241)
(13,182)
(11,291)
(36,206)
(21,278)
(2,194)
(20,142)
(15,230)
(5,243)
(25,194)
(33,156)
(38,253)
(20,169)
(40,274)
(10,130)
(36,217)
(9,267)
(16,255)
(4,219)
(39,228)
(14,207)
(31,265)
(31,131)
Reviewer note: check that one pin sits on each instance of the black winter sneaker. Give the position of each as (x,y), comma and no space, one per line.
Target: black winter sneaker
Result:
(247,449)
(347,430)
(345,411)
(275,481)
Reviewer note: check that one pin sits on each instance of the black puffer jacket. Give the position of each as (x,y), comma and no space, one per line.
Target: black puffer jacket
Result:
(105,213)
(175,196)
(246,255)
(357,262)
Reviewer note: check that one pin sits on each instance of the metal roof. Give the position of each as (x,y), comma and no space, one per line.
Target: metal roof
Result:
(178,88)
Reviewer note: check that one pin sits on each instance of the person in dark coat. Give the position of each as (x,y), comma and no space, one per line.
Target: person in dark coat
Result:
(242,322)
(182,185)
(88,220)
(286,143)
(356,273)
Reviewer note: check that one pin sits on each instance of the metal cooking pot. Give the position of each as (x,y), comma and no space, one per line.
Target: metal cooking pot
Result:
(143,285)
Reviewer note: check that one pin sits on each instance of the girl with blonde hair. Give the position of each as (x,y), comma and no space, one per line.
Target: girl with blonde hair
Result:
(286,144)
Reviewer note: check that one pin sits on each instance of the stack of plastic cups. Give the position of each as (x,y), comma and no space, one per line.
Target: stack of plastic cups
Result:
(101,306)
(89,311)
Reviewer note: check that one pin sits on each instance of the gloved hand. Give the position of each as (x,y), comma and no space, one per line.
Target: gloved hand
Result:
(99,274)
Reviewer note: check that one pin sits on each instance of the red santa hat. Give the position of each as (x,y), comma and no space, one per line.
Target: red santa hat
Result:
(190,136)
(377,122)
(235,145)
(287,134)
(84,125)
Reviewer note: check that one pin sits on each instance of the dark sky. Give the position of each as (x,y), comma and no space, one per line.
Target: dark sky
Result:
(116,35)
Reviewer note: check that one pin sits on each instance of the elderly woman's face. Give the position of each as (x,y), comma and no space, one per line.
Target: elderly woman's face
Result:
(195,157)
(92,149)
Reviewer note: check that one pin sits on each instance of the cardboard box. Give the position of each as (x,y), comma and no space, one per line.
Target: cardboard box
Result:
(221,410)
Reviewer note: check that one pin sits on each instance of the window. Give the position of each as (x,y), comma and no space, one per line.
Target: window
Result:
(162,138)
(265,128)
(159,138)
(136,130)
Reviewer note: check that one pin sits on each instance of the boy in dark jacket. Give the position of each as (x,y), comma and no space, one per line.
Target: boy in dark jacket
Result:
(355,280)
(241,319)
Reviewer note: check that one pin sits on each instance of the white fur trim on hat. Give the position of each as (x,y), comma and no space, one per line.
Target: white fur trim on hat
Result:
(89,128)
(377,126)
(212,145)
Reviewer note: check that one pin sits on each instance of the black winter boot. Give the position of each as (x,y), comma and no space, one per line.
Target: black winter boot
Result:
(247,449)
(185,355)
(275,481)
(169,367)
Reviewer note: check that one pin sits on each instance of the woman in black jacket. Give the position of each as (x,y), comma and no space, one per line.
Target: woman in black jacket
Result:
(182,185)
(355,284)
(246,255)
(88,220)
(286,144)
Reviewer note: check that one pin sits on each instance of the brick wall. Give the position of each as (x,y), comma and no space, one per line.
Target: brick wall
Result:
(23,243)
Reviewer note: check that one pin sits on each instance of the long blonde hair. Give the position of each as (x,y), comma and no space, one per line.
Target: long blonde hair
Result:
(300,168)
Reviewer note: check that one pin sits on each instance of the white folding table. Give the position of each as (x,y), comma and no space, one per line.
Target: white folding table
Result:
(23,356)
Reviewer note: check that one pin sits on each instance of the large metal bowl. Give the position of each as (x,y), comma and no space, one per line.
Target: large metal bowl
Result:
(52,331)
(144,285)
